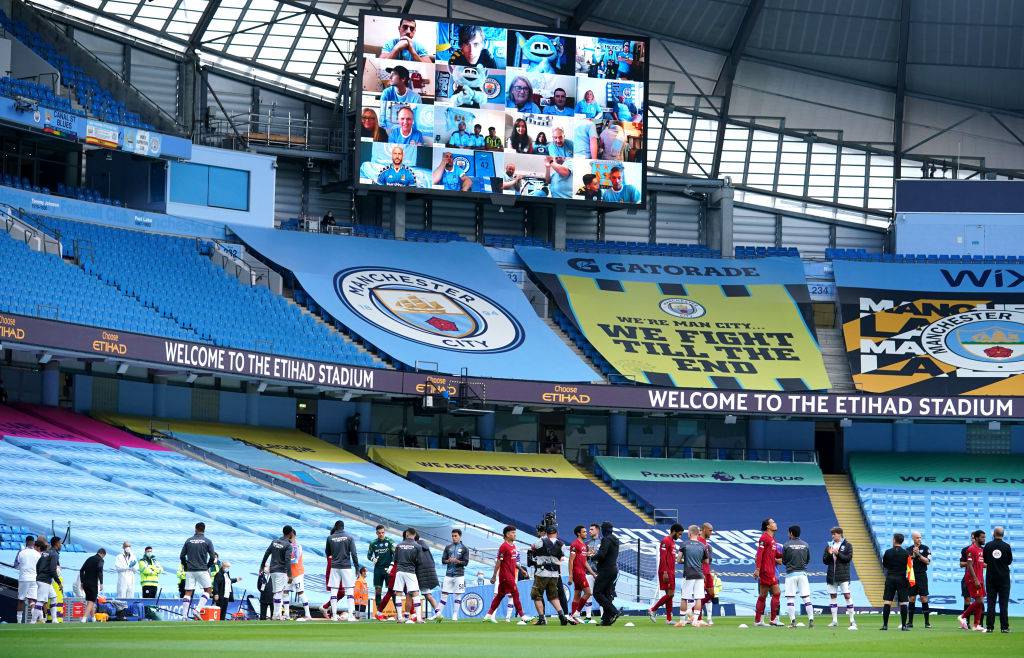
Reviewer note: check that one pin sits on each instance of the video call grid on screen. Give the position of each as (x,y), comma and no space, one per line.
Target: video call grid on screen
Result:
(478,108)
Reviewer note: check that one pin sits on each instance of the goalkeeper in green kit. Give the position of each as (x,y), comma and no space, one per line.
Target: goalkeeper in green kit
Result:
(380,554)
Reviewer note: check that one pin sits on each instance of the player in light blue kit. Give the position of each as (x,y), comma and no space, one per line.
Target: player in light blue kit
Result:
(619,193)
(397,175)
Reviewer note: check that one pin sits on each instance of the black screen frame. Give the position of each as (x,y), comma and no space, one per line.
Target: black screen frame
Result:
(507,199)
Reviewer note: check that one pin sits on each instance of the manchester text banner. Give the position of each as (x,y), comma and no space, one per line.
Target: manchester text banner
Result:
(933,329)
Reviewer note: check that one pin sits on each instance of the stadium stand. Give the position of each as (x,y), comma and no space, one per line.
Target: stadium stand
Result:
(322,471)
(766,252)
(90,96)
(945,497)
(510,241)
(863,254)
(643,248)
(698,490)
(172,277)
(514,488)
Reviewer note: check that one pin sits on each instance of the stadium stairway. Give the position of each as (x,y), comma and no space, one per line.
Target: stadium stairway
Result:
(615,495)
(833,353)
(555,329)
(851,520)
(378,359)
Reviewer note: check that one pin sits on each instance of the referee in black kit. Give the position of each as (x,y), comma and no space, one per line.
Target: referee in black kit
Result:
(894,564)
(998,557)
(922,557)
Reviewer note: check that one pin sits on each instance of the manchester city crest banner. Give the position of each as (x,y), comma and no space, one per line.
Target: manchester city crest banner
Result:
(690,322)
(440,307)
(933,329)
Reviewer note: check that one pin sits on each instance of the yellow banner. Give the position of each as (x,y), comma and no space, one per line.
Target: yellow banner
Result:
(403,461)
(285,442)
(710,336)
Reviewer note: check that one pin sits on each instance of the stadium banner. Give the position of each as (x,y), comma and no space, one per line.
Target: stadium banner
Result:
(404,461)
(446,307)
(700,323)
(49,205)
(89,131)
(936,471)
(933,329)
(710,471)
(82,341)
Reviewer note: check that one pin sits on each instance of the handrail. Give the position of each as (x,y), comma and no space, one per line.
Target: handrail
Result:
(396,497)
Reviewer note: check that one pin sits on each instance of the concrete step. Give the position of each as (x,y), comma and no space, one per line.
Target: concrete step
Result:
(615,495)
(359,346)
(851,519)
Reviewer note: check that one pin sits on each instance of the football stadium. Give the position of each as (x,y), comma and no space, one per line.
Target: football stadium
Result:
(672,325)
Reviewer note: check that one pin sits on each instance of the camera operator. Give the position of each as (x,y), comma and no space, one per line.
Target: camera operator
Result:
(547,554)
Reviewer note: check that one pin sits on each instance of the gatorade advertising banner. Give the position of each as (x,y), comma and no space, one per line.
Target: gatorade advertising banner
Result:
(438,307)
(700,323)
(922,329)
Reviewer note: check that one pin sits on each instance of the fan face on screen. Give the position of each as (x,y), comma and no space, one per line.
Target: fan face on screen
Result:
(480,108)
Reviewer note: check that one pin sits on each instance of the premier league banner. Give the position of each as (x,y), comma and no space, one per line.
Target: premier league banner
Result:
(698,323)
(933,329)
(444,307)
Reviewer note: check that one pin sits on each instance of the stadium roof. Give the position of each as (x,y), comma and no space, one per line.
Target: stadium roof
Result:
(968,52)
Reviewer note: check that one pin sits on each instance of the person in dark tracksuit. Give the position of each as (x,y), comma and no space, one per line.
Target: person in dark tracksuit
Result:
(998,557)
(277,564)
(607,558)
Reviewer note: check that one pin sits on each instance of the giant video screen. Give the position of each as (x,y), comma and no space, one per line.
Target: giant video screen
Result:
(464,108)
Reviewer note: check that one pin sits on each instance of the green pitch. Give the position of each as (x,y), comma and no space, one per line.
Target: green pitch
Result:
(476,639)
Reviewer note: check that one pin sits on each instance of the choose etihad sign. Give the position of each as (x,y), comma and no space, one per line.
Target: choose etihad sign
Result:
(950,340)
(699,323)
(565,395)
(9,329)
(109,343)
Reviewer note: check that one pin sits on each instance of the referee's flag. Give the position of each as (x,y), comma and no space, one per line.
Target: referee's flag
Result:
(910,571)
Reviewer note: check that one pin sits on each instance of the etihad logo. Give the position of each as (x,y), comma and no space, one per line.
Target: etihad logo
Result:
(109,343)
(436,386)
(979,279)
(565,395)
(428,310)
(9,329)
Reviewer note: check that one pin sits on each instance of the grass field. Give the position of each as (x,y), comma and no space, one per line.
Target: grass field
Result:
(474,638)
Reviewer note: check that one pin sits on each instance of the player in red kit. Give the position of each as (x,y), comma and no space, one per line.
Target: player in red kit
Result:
(506,574)
(580,569)
(975,579)
(709,580)
(764,572)
(666,572)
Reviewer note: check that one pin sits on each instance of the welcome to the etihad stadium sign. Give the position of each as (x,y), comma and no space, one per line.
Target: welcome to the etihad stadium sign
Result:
(160,353)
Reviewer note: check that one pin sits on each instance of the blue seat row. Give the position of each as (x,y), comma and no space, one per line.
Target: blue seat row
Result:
(863,254)
(86,194)
(642,248)
(765,252)
(22,183)
(509,241)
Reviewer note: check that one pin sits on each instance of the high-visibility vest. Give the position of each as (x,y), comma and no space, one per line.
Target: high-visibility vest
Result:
(149,573)
(297,568)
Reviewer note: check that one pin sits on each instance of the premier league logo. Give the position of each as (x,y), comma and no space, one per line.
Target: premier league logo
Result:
(427,310)
(682,308)
(722,476)
(472,604)
(986,341)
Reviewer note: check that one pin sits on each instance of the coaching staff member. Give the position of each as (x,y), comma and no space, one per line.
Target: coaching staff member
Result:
(998,557)
(607,558)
